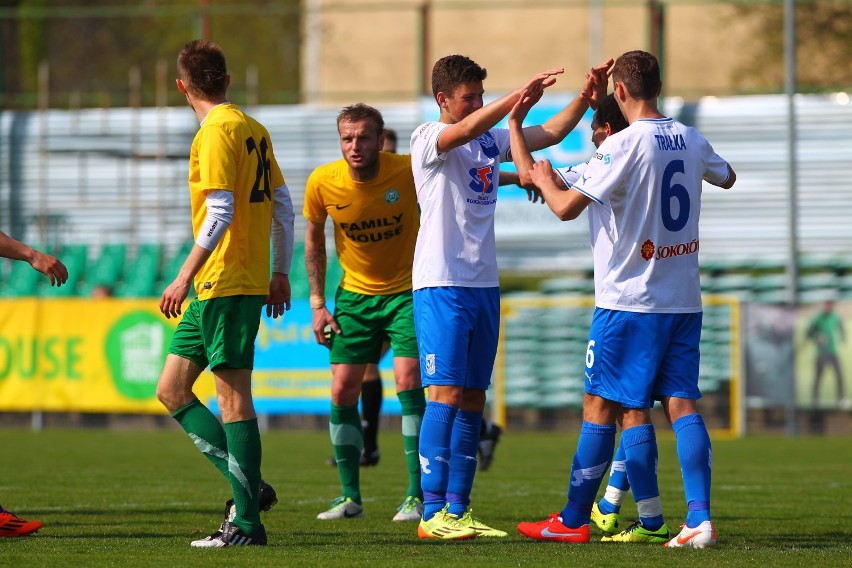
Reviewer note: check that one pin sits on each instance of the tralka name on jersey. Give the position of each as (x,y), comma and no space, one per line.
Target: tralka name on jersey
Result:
(670,143)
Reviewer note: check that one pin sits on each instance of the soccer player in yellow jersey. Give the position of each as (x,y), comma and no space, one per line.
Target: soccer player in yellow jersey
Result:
(239,203)
(370,197)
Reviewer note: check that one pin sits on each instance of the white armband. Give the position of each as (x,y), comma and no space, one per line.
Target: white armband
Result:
(220,212)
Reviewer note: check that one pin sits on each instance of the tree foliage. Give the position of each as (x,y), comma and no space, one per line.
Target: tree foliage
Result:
(90,48)
(823,45)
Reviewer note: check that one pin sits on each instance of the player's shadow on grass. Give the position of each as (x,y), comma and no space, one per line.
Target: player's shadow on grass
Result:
(336,538)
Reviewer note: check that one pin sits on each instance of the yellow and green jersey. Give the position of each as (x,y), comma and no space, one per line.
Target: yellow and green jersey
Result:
(233,152)
(375,222)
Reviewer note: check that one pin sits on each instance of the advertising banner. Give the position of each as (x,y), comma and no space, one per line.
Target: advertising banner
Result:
(106,355)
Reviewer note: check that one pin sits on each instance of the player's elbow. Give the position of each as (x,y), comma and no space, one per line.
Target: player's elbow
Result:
(562,209)
(567,215)
(567,205)
(732,179)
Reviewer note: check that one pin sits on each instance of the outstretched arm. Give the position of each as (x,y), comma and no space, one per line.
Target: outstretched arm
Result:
(557,127)
(44,263)
(520,151)
(479,122)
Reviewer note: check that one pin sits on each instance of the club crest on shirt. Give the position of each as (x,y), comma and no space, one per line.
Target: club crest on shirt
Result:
(430,364)
(648,249)
(481,182)
(488,145)
(391,196)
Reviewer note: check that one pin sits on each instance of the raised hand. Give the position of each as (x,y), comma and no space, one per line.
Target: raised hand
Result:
(544,79)
(527,99)
(595,87)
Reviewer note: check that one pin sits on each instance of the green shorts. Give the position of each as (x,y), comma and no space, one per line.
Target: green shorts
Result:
(219,332)
(367,321)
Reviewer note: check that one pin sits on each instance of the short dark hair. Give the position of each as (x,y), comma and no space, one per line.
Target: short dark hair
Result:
(453,70)
(201,67)
(609,112)
(359,112)
(640,73)
(390,134)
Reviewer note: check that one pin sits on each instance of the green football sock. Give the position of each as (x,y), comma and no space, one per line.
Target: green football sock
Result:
(347,437)
(206,431)
(244,466)
(413,404)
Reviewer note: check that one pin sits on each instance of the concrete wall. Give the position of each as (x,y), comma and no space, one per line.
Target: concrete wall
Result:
(372,49)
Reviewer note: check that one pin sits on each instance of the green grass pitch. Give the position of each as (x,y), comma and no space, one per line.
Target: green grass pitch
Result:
(117,498)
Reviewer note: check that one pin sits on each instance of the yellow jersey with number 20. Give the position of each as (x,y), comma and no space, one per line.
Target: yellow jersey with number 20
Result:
(233,152)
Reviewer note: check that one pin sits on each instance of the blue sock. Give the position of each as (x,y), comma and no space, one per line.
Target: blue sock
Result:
(695,455)
(464,445)
(640,450)
(617,479)
(435,434)
(594,452)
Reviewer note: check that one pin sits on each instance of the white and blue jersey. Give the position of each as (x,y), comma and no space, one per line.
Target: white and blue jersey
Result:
(648,181)
(457,193)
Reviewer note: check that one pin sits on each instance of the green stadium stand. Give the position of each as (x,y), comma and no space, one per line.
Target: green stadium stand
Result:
(816,261)
(733,284)
(817,287)
(107,267)
(568,285)
(141,275)
(844,286)
(173,264)
(299,288)
(770,288)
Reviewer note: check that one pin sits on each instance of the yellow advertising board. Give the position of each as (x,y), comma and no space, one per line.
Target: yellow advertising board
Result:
(106,355)
(83,355)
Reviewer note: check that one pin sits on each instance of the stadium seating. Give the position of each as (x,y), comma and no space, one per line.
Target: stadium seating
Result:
(172,266)
(544,346)
(107,268)
(142,273)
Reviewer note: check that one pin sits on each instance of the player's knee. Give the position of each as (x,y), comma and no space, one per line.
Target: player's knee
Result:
(171,398)
(677,408)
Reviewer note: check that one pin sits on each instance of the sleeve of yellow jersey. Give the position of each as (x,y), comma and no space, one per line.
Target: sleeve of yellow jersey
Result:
(217,159)
(314,208)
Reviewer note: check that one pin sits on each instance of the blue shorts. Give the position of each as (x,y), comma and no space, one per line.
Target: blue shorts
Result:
(634,358)
(457,330)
